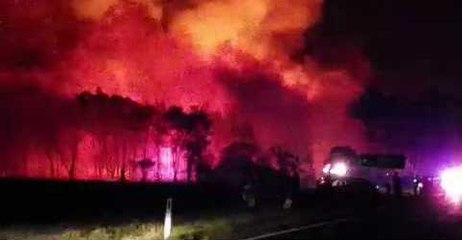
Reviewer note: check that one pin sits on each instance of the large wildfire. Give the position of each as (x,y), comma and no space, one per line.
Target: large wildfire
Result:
(155,89)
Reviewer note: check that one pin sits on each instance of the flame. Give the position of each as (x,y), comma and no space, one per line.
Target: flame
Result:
(92,9)
(215,23)
(97,9)
(193,53)
(166,162)
(249,25)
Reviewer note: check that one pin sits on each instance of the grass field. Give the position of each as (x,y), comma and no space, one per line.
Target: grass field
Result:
(99,211)
(218,225)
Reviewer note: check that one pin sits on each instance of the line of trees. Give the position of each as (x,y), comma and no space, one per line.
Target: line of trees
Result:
(97,136)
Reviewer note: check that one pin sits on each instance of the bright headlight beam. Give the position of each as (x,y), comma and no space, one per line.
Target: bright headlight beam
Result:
(451,182)
(326,168)
(339,169)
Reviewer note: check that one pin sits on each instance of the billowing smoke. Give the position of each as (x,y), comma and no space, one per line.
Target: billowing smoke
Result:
(235,59)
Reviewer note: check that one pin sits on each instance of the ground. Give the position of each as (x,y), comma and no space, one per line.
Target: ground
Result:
(86,211)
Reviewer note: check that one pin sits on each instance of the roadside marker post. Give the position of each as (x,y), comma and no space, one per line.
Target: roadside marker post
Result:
(168,219)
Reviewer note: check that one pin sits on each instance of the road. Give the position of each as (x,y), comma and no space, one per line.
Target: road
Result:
(403,219)
(367,229)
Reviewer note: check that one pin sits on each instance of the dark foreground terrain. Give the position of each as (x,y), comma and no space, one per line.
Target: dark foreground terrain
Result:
(102,210)
(54,201)
(406,219)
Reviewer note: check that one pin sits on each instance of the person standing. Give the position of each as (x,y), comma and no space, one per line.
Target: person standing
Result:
(397,185)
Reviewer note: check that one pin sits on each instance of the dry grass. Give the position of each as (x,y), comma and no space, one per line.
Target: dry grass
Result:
(212,227)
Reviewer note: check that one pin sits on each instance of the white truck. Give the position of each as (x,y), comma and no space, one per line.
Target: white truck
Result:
(381,171)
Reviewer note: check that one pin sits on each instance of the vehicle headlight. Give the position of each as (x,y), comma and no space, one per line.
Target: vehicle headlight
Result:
(326,168)
(339,169)
(451,183)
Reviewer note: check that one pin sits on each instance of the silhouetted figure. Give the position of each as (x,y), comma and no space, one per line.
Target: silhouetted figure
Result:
(427,186)
(417,185)
(295,183)
(388,188)
(397,185)
(145,165)
(249,196)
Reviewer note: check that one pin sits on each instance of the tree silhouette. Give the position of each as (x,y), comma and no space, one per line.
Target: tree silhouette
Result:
(192,131)
(145,165)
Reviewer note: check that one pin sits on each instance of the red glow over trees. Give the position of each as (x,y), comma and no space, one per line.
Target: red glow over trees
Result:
(138,90)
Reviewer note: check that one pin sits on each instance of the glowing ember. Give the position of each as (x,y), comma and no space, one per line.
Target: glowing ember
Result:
(167,169)
(451,182)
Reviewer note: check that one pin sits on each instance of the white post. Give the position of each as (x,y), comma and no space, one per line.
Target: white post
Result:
(168,219)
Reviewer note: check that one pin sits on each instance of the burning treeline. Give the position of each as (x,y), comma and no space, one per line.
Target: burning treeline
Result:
(100,136)
(115,89)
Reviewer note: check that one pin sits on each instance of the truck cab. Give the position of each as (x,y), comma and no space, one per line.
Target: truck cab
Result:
(345,167)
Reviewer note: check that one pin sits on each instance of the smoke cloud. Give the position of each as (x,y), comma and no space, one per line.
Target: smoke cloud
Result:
(232,58)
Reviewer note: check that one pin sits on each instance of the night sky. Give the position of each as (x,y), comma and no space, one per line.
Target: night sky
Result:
(413,46)
(413,102)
